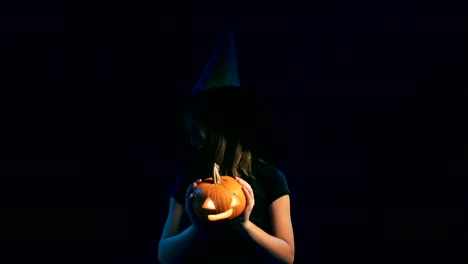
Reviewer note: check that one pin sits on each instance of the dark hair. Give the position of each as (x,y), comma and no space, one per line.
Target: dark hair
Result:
(228,116)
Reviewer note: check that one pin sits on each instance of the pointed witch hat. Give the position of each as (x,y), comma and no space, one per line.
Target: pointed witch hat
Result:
(221,69)
(217,95)
(218,86)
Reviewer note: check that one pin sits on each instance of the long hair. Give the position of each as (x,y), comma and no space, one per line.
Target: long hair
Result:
(228,118)
(234,158)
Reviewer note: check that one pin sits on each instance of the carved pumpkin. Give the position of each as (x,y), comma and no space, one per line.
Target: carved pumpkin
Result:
(218,198)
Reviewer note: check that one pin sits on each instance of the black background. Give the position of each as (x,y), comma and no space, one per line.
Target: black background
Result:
(369,94)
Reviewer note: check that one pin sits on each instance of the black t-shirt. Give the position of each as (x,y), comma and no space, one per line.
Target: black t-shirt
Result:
(229,244)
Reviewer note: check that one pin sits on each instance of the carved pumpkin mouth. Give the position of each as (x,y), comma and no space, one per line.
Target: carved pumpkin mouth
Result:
(219,216)
(209,204)
(218,198)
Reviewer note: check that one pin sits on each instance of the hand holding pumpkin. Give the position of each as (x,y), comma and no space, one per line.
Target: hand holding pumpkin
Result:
(250,200)
(218,198)
(188,205)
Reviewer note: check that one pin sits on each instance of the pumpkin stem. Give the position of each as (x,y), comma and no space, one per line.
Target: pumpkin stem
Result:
(216,176)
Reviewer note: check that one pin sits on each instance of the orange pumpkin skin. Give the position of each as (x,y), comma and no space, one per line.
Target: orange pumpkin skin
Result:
(222,200)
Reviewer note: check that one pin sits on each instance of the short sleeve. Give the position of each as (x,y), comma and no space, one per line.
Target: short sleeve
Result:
(274,182)
(278,186)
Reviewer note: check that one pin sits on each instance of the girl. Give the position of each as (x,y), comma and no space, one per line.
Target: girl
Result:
(263,233)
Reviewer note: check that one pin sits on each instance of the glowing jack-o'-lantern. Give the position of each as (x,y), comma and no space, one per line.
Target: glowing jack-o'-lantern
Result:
(218,198)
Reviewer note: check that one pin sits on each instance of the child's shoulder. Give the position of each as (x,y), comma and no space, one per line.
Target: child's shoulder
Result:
(265,168)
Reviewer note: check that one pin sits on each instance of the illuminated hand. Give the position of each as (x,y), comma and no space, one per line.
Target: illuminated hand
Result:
(250,200)
(188,204)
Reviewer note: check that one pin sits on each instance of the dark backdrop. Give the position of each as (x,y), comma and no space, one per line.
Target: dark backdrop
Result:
(368,94)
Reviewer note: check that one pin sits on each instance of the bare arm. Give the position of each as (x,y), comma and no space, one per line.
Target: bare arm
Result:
(172,243)
(281,243)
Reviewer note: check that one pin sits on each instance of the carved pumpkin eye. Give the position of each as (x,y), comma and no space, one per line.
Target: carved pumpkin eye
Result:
(208,204)
(218,197)
(235,201)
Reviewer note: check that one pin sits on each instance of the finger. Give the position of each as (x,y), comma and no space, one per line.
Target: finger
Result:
(195,183)
(193,186)
(241,181)
(244,183)
(251,193)
(189,190)
(248,196)
(247,186)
